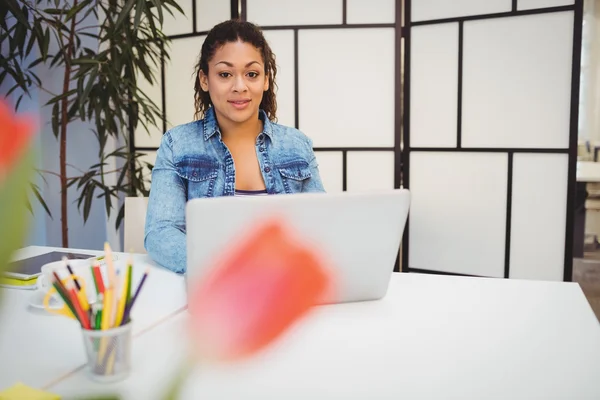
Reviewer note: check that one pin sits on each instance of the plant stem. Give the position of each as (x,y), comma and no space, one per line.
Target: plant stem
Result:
(63,136)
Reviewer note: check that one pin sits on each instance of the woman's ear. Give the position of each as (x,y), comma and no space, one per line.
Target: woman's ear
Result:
(203,80)
(266,85)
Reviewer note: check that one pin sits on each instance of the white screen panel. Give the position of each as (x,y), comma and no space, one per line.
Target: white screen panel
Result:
(425,10)
(179,80)
(346,97)
(517,81)
(211,12)
(458,212)
(533,4)
(365,12)
(152,136)
(434,85)
(373,170)
(282,44)
(331,170)
(178,23)
(294,12)
(539,201)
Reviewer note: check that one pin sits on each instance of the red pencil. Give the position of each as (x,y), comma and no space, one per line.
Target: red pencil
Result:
(83,317)
(98,276)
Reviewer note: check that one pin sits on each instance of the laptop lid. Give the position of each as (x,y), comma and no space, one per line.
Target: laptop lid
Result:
(359,233)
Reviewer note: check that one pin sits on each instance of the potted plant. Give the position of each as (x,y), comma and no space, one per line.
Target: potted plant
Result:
(99,83)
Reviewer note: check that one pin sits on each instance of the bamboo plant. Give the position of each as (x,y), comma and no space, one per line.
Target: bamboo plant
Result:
(99,83)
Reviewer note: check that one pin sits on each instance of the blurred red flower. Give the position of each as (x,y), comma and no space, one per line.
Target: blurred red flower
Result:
(262,287)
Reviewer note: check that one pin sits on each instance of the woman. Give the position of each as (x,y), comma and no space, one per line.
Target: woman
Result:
(235,149)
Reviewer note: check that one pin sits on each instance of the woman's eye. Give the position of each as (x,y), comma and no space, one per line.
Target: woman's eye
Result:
(224,74)
(252,74)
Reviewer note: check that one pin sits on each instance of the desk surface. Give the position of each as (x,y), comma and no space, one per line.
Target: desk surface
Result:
(588,171)
(37,348)
(430,337)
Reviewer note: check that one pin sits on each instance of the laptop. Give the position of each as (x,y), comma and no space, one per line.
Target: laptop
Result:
(359,233)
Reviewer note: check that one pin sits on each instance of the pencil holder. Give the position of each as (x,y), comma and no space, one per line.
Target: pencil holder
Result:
(108,353)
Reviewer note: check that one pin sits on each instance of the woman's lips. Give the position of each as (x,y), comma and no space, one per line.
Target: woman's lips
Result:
(239,104)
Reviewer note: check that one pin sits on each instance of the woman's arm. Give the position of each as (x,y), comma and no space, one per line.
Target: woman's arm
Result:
(165,238)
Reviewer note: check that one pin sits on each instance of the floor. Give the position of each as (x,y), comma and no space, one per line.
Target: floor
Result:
(586,271)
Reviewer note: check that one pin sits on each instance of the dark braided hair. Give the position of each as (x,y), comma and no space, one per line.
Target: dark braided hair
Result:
(230,32)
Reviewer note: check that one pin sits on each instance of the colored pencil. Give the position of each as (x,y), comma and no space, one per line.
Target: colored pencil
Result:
(115,299)
(62,295)
(98,278)
(99,319)
(106,309)
(95,279)
(65,293)
(78,309)
(110,265)
(122,299)
(81,296)
(129,278)
(134,298)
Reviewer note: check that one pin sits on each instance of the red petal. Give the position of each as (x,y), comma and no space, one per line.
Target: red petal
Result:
(254,295)
(15,135)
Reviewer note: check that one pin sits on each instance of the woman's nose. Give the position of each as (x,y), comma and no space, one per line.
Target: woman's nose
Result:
(239,85)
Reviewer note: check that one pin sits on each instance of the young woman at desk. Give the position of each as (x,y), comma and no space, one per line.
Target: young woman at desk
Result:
(236,149)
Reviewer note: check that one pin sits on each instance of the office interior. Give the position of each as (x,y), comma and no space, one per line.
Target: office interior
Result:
(485,111)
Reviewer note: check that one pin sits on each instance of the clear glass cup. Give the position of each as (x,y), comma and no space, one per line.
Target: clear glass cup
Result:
(108,353)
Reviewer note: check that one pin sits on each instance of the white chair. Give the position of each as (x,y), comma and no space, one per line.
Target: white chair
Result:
(134,221)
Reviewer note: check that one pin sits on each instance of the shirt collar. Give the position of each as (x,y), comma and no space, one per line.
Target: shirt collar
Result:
(211,126)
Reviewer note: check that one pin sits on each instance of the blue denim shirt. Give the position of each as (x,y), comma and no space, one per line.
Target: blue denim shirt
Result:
(192,161)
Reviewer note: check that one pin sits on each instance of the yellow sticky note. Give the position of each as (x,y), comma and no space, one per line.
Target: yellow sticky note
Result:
(22,392)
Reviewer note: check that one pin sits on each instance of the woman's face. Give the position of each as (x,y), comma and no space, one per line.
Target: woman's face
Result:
(236,82)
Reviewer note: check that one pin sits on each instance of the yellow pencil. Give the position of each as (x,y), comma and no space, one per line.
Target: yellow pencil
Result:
(122,299)
(107,308)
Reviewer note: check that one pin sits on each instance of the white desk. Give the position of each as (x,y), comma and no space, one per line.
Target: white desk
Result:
(431,337)
(38,349)
(588,171)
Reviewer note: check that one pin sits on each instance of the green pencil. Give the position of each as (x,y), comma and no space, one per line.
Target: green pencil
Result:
(129,277)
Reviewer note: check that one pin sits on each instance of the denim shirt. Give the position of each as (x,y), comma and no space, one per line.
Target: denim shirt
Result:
(192,162)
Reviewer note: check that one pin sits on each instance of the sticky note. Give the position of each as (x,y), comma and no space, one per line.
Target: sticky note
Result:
(20,391)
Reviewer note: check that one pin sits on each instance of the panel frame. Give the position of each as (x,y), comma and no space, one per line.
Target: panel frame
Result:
(577,8)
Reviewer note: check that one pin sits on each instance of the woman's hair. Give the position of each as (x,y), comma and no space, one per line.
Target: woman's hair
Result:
(230,32)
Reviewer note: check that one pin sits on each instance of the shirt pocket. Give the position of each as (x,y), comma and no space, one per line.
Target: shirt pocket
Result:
(294,174)
(200,174)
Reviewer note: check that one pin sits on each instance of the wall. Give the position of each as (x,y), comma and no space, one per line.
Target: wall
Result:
(492,136)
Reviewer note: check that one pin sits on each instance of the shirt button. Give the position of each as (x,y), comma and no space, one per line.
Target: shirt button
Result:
(261,149)
(267,169)
(194,173)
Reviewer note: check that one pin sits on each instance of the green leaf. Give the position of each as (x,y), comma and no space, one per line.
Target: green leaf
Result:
(74,10)
(83,97)
(18,102)
(125,12)
(120,216)
(13,7)
(55,119)
(89,197)
(139,10)
(45,44)
(61,96)
(80,61)
(36,192)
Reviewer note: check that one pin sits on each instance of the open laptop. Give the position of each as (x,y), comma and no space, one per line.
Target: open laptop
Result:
(359,233)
